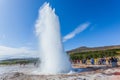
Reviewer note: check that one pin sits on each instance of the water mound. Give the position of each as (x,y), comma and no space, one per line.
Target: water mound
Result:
(52,55)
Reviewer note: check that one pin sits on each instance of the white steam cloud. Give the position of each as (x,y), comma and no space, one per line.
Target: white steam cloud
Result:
(51,53)
(78,30)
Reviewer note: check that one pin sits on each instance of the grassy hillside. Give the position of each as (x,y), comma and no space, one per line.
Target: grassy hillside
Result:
(95,52)
(18,61)
(87,49)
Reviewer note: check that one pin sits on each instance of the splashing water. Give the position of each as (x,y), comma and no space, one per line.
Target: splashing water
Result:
(52,55)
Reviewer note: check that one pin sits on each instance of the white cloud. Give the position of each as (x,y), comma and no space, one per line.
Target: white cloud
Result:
(78,30)
(9,52)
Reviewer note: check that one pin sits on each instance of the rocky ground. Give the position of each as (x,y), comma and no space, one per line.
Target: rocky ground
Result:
(89,73)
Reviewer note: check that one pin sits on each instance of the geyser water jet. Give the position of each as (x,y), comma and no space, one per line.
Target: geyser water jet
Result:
(52,55)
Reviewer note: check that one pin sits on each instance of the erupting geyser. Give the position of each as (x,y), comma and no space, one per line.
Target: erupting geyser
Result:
(52,55)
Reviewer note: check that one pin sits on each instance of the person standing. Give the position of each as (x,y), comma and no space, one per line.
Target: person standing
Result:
(92,61)
(113,62)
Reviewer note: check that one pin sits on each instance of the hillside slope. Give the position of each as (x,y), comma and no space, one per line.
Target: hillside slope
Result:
(86,49)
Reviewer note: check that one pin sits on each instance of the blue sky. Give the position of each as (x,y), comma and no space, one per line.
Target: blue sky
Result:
(17,20)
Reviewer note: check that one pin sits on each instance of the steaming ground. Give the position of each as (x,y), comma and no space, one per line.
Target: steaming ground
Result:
(17,72)
(17,68)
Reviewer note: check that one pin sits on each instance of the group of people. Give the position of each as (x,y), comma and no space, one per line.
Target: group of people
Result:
(101,61)
(113,61)
(110,61)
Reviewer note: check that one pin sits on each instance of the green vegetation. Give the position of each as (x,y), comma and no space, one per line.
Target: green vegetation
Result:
(95,54)
(118,51)
(18,61)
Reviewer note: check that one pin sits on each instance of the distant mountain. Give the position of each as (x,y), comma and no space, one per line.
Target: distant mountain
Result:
(86,49)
